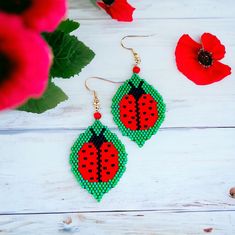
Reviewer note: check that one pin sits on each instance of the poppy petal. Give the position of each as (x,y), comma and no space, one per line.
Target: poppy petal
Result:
(213,45)
(186,55)
(205,76)
(119,10)
(217,72)
(122,11)
(186,48)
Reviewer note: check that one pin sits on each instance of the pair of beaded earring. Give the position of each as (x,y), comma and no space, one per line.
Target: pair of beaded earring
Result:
(98,157)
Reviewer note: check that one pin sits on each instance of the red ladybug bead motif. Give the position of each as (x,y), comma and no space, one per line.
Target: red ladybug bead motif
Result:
(98,159)
(138,110)
(88,165)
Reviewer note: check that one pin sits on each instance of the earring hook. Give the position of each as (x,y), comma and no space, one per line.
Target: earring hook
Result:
(102,79)
(96,101)
(135,54)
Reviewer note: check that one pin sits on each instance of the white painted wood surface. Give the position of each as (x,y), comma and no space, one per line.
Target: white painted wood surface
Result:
(137,223)
(177,183)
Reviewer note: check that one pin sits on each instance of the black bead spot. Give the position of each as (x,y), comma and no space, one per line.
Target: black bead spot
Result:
(106,150)
(151,101)
(124,106)
(109,145)
(150,108)
(145,126)
(152,114)
(130,110)
(108,173)
(90,170)
(144,96)
(124,115)
(143,104)
(85,158)
(133,117)
(92,178)
(113,165)
(130,102)
(83,166)
(83,151)
(144,113)
(105,168)
(146,119)
(112,155)
(129,122)
(106,160)
(126,97)
(91,153)
(89,146)
(91,163)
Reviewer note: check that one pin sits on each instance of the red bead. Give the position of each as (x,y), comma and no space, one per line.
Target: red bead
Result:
(136,69)
(97,115)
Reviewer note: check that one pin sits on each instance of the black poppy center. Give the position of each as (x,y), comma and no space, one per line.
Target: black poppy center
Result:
(15,6)
(109,2)
(205,58)
(5,67)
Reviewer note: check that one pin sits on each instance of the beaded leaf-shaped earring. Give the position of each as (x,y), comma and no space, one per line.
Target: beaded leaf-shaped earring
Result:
(98,157)
(137,108)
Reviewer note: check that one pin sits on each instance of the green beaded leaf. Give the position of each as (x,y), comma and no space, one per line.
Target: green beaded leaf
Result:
(99,188)
(138,109)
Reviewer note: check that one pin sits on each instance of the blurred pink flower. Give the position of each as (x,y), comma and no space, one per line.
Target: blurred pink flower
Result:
(40,15)
(24,63)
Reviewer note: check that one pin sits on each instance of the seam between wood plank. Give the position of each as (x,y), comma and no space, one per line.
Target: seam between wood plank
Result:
(173,211)
(42,130)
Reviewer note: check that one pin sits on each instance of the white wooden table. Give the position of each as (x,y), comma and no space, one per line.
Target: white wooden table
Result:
(177,183)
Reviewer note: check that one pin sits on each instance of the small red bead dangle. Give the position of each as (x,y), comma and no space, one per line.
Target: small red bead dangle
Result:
(98,157)
(138,109)
(136,69)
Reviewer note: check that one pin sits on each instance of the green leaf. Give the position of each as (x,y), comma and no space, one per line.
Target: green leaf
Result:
(70,54)
(50,99)
(68,26)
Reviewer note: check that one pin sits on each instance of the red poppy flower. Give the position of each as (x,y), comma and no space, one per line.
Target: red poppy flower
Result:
(24,63)
(119,10)
(199,62)
(40,15)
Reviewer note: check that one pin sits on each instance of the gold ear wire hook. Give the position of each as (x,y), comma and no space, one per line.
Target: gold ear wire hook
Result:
(96,101)
(135,54)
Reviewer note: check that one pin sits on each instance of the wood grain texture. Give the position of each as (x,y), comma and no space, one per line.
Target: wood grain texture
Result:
(177,169)
(188,105)
(84,9)
(178,183)
(136,223)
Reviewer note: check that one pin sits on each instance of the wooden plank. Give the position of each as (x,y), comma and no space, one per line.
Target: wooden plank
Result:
(188,105)
(138,223)
(177,169)
(84,9)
